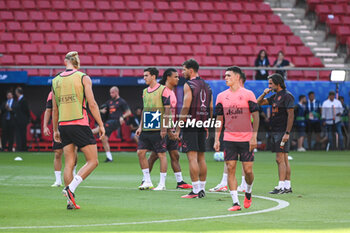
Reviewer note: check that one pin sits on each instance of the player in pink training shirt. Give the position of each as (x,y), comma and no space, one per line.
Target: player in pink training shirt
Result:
(236,105)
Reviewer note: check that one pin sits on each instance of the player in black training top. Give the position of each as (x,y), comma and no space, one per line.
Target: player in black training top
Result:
(117,111)
(281,124)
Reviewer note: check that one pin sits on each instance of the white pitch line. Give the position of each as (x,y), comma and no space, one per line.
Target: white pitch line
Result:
(281,204)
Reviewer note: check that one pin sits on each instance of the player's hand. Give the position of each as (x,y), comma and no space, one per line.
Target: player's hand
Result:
(267,91)
(103,110)
(285,138)
(47,131)
(57,136)
(101,132)
(121,120)
(217,146)
(138,132)
(252,144)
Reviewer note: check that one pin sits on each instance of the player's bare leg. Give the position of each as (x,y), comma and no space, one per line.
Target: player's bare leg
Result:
(163,171)
(232,184)
(147,184)
(249,178)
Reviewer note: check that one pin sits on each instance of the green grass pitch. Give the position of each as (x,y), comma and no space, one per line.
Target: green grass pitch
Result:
(111,202)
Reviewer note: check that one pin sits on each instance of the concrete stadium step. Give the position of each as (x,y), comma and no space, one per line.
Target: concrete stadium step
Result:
(304,27)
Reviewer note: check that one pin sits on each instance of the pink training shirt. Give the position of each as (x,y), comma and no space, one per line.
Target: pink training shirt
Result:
(173,103)
(237,116)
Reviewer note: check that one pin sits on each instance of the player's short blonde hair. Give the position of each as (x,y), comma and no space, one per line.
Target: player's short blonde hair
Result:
(73,57)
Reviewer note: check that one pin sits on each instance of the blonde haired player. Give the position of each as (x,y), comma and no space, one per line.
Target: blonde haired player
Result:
(72,90)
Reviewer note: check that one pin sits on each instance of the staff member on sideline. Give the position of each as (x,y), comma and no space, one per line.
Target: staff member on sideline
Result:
(281,124)
(72,90)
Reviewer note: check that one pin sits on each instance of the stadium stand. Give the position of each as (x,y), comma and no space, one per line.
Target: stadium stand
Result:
(336,15)
(126,32)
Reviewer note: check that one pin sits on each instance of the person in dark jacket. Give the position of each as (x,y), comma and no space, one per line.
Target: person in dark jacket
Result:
(22,117)
(8,122)
(262,61)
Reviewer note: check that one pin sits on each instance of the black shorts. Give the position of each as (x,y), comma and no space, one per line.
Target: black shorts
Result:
(193,139)
(301,131)
(313,126)
(276,138)
(151,140)
(233,150)
(79,135)
(56,145)
(110,126)
(171,144)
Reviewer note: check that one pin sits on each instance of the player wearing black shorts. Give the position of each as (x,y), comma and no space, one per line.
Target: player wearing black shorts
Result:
(170,80)
(56,146)
(197,106)
(156,107)
(281,124)
(72,89)
(117,111)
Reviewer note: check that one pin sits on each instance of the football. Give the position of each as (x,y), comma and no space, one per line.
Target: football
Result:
(219,156)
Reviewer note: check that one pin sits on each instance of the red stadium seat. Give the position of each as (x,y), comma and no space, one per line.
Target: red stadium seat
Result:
(199,49)
(135,27)
(162,6)
(235,39)
(145,38)
(171,17)
(36,38)
(111,16)
(221,6)
(300,61)
(177,60)
(22,60)
(14,48)
(211,28)
(6,16)
(120,27)
(177,6)
(245,50)
(284,29)
(229,50)
(46,49)
(101,60)
(295,75)
(205,39)
(129,38)
(59,5)
(60,49)
(118,6)
(114,38)
(138,49)
(52,38)
(29,48)
(151,27)
(295,40)
(29,27)
(99,38)
(147,6)
(103,5)
(123,49)
(256,29)
(51,16)
(206,6)
(214,50)
(59,26)
(7,60)
(270,29)
(190,39)
(245,18)
(166,27)
(38,60)
(196,28)
(116,60)
(216,17)
(250,39)
(157,17)
(110,72)
(240,28)
(274,19)
(96,16)
(66,16)
(127,17)
(209,61)
(74,27)
(86,5)
(11,5)
(250,7)
(90,27)
(175,38)
(86,60)
(53,60)
(91,49)
(79,48)
(225,61)
(44,26)
(201,17)
(180,27)
(147,60)
(260,18)
(310,75)
(22,37)
(290,51)
(265,40)
(226,28)
(133,5)
(81,16)
(13,26)
(83,37)
(186,17)
(160,39)
(315,62)
(107,49)
(141,17)
(154,49)
(240,61)
(168,50)
(163,61)
(279,40)
(220,39)
(94,72)
(132,60)
(305,51)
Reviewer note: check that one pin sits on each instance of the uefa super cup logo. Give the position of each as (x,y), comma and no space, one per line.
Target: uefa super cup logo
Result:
(203,97)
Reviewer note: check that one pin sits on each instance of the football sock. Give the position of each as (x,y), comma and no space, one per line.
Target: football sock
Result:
(195,186)
(162,178)
(224,179)
(243,182)
(249,188)
(75,182)
(287,184)
(280,184)
(75,170)
(178,176)
(202,185)
(109,155)
(146,176)
(58,177)
(234,196)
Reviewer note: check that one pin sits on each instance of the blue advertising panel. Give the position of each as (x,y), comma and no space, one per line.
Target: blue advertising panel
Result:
(13,77)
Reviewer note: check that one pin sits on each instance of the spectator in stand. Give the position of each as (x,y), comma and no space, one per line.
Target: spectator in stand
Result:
(8,122)
(22,117)
(281,62)
(313,119)
(300,122)
(332,111)
(262,61)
